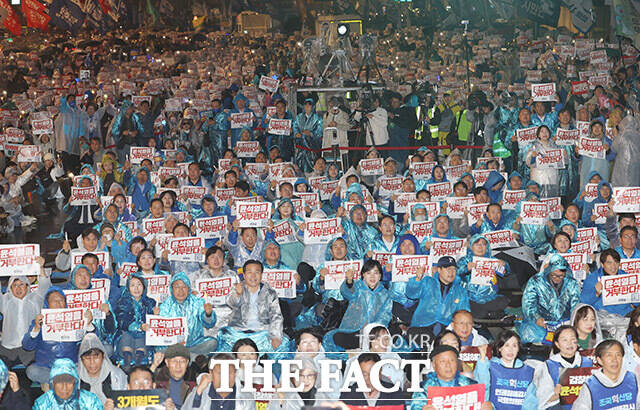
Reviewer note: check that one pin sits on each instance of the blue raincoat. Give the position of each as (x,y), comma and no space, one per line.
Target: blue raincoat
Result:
(193,308)
(215,141)
(291,252)
(581,202)
(398,290)
(602,166)
(358,237)
(482,373)
(131,313)
(304,158)
(116,129)
(318,286)
(420,399)
(48,352)
(535,236)
(432,307)
(199,213)
(366,306)
(73,127)
(493,180)
(141,196)
(479,293)
(79,399)
(284,143)
(541,300)
(235,132)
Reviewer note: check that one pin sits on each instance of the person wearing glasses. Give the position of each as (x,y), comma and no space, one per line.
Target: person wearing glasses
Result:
(549,297)
(140,378)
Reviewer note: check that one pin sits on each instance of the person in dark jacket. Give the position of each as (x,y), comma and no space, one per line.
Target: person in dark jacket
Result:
(12,396)
(373,398)
(402,123)
(174,377)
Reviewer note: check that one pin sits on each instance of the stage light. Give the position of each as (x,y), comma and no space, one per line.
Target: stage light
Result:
(342,29)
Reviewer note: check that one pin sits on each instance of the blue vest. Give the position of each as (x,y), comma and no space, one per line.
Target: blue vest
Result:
(554,368)
(621,396)
(509,386)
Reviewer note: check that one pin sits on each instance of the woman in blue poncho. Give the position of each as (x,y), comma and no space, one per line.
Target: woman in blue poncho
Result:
(359,234)
(291,251)
(403,307)
(369,302)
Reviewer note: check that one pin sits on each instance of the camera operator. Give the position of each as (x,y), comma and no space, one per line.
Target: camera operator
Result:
(336,117)
(480,116)
(375,122)
(402,123)
(446,116)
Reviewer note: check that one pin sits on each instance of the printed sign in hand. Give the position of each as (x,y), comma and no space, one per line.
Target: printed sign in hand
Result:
(448,247)
(456,398)
(421,230)
(550,159)
(138,154)
(591,147)
(620,289)
(321,231)
(139,399)
(157,287)
(211,227)
(282,281)
(371,166)
(543,92)
(576,261)
(83,196)
(279,126)
(555,207)
(422,170)
(600,211)
(567,137)
(19,260)
(268,84)
(194,194)
(401,204)
(44,126)
(186,249)
(511,198)
(526,136)
(406,266)
(534,213)
(241,120)
(253,214)
(501,239)
(284,233)
(165,331)
(626,199)
(88,299)
(63,325)
(126,270)
(485,270)
(247,149)
(215,290)
(440,191)
(337,272)
(571,381)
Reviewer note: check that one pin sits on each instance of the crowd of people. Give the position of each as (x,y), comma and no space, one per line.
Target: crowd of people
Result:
(472,223)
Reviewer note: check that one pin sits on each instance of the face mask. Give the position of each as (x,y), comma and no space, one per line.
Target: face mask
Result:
(420,218)
(108,237)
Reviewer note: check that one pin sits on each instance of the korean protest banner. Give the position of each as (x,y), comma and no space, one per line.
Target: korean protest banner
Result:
(186,249)
(138,399)
(211,227)
(421,230)
(406,266)
(87,299)
(510,198)
(83,196)
(279,126)
(63,325)
(534,213)
(485,269)
(247,149)
(457,398)
(166,331)
(550,159)
(19,259)
(139,154)
(282,281)
(626,199)
(501,239)
(620,289)
(591,147)
(193,194)
(371,166)
(319,231)
(543,92)
(215,290)
(241,120)
(253,214)
(158,287)
(571,381)
(337,272)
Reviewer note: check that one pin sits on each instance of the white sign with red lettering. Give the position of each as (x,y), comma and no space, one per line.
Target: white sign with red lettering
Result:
(138,99)
(327,188)
(193,194)
(620,289)
(63,325)
(389,186)
(268,84)
(279,126)
(448,247)
(211,227)
(15,135)
(510,198)
(406,266)
(543,92)
(598,80)
(591,147)
(630,265)
(591,192)
(247,149)
(371,166)
(320,231)
(104,258)
(422,170)
(370,207)
(88,299)
(276,170)
(222,195)
(432,209)
(454,173)
(126,270)
(583,128)
(186,249)
(401,203)
(157,287)
(421,230)
(382,257)
(284,233)
(484,270)
(256,170)
(577,262)
(555,209)
(501,239)
(44,126)
(581,247)
(215,290)
(526,135)
(152,226)
(567,137)
(253,214)
(139,154)
(550,159)
(440,191)
(282,281)
(579,87)
(173,105)
(83,196)
(165,331)
(166,172)
(600,211)
(241,120)
(310,199)
(534,213)
(626,199)
(337,271)
(19,260)
(456,206)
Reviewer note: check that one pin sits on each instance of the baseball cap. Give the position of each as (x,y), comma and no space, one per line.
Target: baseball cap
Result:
(441,349)
(446,261)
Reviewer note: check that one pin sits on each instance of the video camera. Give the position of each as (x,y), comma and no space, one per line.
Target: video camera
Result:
(426,93)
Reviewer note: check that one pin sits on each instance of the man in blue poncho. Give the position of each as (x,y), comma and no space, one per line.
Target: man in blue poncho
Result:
(66,392)
(240,103)
(307,129)
(126,129)
(199,314)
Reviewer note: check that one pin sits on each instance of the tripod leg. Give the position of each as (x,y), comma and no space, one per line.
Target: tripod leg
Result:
(326,68)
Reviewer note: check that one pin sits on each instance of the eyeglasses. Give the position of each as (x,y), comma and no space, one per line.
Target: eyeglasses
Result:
(309,376)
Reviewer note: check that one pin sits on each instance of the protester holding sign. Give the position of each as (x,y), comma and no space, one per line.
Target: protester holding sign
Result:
(200,315)
(543,159)
(592,287)
(482,277)
(565,355)
(505,365)
(589,164)
(550,296)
